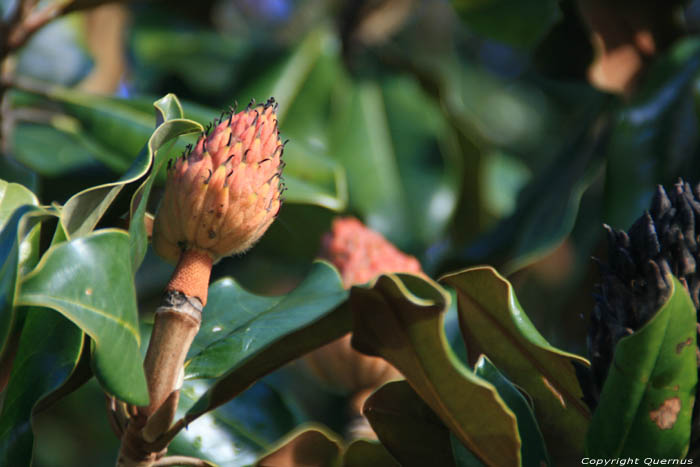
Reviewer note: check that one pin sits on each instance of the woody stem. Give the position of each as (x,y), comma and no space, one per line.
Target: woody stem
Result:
(177,321)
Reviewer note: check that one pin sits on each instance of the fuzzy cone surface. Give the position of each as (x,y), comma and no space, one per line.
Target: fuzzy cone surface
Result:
(360,254)
(222,194)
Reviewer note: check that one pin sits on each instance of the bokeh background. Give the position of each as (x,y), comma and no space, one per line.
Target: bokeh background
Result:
(498,132)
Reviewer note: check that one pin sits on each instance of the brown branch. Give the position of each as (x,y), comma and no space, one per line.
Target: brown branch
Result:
(149,431)
(36,20)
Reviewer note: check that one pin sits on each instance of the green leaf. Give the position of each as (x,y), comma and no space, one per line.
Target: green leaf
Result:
(313,178)
(402,177)
(159,51)
(401,319)
(547,207)
(463,457)
(48,351)
(239,432)
(19,249)
(170,126)
(113,131)
(243,337)
(366,453)
(89,280)
(82,211)
(285,79)
(494,324)
(408,428)
(647,399)
(13,171)
(12,196)
(519,23)
(650,142)
(313,445)
(31,143)
(533,449)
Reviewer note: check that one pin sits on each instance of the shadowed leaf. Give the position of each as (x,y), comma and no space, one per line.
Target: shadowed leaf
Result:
(244,336)
(311,446)
(401,319)
(408,428)
(494,324)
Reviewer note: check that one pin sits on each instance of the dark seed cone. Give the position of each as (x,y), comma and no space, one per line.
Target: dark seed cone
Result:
(635,282)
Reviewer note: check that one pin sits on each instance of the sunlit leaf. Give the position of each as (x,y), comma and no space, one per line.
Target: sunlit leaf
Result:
(170,126)
(89,281)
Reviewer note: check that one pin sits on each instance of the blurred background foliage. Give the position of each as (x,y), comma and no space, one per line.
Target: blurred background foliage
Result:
(499,132)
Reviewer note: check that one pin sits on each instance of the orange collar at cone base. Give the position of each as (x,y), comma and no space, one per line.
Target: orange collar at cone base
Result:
(191,276)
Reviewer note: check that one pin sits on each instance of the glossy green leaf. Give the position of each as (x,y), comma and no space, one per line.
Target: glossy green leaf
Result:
(494,324)
(12,196)
(243,337)
(408,428)
(516,22)
(19,249)
(170,126)
(366,453)
(89,281)
(648,145)
(647,399)
(18,253)
(401,319)
(533,449)
(48,351)
(315,446)
(237,433)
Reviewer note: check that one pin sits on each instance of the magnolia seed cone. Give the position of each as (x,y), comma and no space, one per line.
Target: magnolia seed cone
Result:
(360,254)
(223,194)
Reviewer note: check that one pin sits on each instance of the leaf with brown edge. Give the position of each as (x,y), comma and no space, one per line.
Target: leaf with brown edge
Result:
(312,446)
(493,323)
(400,318)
